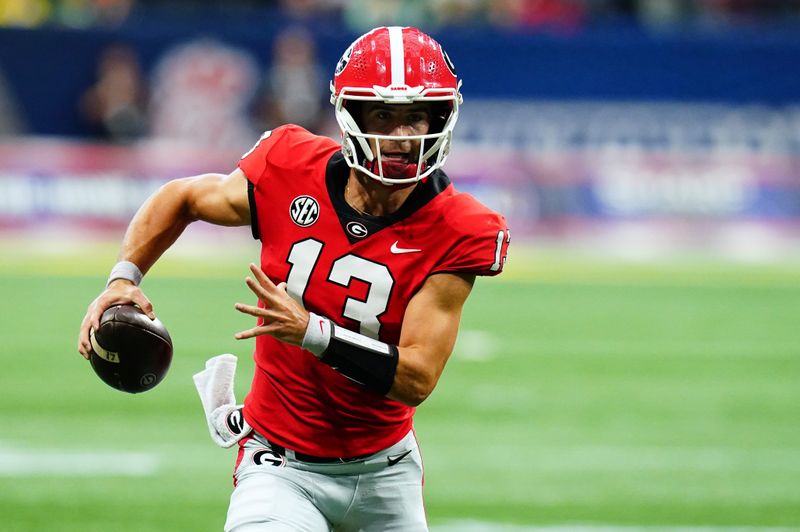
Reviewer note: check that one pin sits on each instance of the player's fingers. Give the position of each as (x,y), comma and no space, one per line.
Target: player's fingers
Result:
(244,335)
(84,346)
(91,321)
(143,303)
(94,320)
(262,278)
(259,290)
(252,333)
(259,330)
(83,332)
(281,286)
(250,309)
(267,317)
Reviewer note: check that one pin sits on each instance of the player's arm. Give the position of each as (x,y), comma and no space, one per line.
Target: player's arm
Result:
(428,334)
(407,372)
(215,198)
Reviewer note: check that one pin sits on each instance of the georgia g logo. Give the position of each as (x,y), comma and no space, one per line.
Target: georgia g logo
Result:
(304,211)
(147,380)
(235,421)
(357,229)
(268,457)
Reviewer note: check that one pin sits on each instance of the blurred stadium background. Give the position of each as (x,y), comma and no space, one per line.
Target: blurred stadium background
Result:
(635,368)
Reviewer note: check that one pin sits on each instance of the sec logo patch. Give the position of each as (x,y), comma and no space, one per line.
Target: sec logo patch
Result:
(304,211)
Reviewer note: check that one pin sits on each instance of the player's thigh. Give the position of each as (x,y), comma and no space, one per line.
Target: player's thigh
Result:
(390,500)
(272,500)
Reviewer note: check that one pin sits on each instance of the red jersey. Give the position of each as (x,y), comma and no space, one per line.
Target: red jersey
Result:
(360,271)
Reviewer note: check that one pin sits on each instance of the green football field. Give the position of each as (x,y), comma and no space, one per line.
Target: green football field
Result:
(582,395)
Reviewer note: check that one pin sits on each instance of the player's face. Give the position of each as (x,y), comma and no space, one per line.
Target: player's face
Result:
(400,120)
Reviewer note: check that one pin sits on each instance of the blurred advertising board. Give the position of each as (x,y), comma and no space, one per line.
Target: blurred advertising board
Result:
(544,163)
(54,181)
(550,167)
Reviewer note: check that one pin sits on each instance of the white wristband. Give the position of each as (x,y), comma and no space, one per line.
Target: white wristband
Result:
(318,334)
(125,270)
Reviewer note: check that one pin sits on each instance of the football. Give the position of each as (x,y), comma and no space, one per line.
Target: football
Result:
(130,352)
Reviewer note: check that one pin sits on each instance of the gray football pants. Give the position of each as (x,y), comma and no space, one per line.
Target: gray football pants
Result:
(278,493)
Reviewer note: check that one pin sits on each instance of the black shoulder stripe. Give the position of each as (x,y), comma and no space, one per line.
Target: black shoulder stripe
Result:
(251,197)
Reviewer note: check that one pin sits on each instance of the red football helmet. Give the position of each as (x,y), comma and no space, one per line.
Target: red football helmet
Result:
(396,65)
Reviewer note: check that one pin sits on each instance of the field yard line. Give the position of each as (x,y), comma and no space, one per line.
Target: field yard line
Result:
(62,462)
(641,458)
(481,526)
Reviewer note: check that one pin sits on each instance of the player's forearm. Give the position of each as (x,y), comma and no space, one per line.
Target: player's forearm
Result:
(414,380)
(406,374)
(157,225)
(430,328)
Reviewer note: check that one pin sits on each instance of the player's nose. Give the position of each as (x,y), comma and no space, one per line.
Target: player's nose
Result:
(401,129)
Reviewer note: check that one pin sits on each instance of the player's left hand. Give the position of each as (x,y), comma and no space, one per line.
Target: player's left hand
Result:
(282,317)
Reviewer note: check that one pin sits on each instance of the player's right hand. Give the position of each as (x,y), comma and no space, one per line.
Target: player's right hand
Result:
(119,292)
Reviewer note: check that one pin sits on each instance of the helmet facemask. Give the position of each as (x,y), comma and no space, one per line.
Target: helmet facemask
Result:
(367,158)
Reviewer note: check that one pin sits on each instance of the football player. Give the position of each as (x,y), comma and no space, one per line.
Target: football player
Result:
(368,255)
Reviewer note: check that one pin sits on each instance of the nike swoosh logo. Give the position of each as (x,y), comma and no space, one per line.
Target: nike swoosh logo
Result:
(397,250)
(394,459)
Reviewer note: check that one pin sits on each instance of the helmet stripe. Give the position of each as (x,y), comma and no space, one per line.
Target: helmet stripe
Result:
(398,55)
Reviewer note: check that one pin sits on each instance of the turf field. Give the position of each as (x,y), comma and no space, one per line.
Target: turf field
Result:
(581,395)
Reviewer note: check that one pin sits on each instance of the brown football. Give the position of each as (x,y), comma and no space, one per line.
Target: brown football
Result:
(130,352)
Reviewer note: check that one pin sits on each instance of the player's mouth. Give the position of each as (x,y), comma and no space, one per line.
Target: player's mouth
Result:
(396,157)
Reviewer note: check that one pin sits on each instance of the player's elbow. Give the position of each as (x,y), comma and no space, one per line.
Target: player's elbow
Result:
(417,396)
(175,196)
(411,396)
(414,387)
(200,197)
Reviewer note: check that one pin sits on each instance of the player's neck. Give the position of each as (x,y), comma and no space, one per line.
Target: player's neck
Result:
(368,196)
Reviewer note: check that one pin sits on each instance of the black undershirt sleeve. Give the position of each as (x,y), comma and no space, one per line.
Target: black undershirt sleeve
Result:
(251,198)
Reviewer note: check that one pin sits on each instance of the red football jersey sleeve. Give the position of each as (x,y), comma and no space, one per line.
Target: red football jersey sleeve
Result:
(254,162)
(482,242)
(297,147)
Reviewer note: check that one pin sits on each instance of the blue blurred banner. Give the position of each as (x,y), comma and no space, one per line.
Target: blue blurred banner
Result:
(48,69)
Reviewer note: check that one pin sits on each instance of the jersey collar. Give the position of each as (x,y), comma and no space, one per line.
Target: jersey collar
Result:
(336,176)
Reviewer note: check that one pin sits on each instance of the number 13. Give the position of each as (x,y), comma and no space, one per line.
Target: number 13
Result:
(303,258)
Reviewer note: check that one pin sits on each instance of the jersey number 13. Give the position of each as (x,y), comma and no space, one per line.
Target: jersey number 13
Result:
(304,257)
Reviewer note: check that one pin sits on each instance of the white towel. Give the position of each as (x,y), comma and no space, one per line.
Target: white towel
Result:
(226,423)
